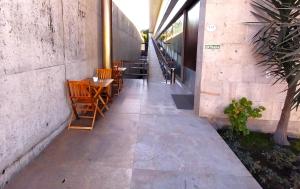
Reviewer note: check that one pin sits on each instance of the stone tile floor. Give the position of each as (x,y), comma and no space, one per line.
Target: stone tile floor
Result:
(143,142)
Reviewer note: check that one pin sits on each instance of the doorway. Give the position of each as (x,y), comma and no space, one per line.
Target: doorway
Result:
(190,45)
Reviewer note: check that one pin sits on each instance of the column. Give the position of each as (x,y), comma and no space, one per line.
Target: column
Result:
(106,10)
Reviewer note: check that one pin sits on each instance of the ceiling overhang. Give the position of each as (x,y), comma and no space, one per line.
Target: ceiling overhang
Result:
(154,6)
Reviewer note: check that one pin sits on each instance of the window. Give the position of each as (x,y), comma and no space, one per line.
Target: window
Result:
(171,41)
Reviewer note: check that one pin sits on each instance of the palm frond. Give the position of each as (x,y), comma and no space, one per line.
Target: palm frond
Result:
(278,40)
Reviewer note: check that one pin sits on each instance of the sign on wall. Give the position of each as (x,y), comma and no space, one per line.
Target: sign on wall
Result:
(212,46)
(211,27)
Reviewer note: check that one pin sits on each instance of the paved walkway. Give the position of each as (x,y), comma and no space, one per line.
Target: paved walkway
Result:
(143,142)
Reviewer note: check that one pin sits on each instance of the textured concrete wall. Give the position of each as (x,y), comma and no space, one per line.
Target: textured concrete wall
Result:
(230,72)
(42,44)
(126,38)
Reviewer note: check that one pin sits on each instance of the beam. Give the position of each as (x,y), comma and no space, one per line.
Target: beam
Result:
(106,18)
(154,6)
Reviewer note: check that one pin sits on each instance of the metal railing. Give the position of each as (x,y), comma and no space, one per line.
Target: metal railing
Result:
(166,64)
(137,69)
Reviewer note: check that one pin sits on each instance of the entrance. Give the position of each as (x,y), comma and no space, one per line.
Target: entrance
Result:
(190,46)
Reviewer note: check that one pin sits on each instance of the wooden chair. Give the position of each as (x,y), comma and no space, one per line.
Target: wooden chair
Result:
(117,83)
(118,75)
(83,102)
(118,63)
(105,74)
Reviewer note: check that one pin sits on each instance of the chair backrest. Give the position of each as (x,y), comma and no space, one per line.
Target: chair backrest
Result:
(116,73)
(104,73)
(79,89)
(118,63)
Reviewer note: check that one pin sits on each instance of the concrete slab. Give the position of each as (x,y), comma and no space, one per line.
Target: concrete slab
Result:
(139,144)
(153,179)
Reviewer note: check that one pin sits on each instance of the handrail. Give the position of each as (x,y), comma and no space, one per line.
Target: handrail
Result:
(168,72)
(137,68)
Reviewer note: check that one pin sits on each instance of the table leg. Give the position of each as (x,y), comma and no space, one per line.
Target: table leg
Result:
(103,102)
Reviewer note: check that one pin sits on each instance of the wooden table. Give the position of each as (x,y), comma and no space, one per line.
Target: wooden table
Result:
(102,84)
(122,69)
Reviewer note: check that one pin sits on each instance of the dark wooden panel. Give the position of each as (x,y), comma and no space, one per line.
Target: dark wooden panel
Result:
(191,37)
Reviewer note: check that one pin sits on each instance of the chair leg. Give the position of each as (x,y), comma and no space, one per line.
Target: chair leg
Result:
(109,93)
(122,82)
(117,88)
(99,111)
(103,102)
(87,108)
(74,110)
(70,122)
(119,85)
(95,114)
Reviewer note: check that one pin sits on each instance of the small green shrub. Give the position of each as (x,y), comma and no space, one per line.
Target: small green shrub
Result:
(239,112)
(295,145)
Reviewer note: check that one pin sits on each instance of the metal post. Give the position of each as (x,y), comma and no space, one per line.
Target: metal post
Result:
(106,7)
(172,75)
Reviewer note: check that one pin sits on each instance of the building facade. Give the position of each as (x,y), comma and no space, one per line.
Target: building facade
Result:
(210,41)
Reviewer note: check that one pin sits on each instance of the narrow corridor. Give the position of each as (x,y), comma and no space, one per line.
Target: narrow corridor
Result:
(143,142)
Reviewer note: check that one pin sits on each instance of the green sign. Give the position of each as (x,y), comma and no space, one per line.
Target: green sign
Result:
(212,46)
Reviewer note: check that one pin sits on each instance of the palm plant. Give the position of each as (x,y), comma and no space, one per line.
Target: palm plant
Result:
(278,44)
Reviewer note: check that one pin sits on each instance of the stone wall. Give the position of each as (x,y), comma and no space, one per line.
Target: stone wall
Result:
(230,72)
(42,44)
(126,38)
